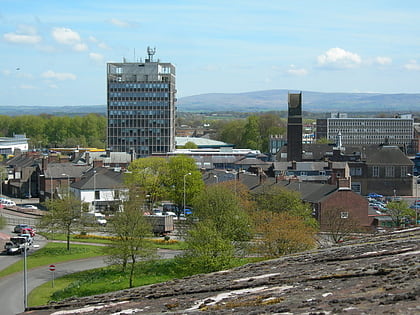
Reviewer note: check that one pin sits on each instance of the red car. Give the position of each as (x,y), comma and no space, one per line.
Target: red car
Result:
(29,231)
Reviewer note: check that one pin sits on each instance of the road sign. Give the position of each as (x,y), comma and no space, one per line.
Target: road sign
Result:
(52,268)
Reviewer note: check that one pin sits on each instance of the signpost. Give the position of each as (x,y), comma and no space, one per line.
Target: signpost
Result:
(52,269)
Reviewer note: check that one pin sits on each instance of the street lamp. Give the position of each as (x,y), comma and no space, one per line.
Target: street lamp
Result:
(217,178)
(25,277)
(415,201)
(94,191)
(68,183)
(184,192)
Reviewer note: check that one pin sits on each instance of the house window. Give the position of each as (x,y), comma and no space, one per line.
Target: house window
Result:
(404,171)
(356,171)
(356,187)
(375,171)
(389,171)
(344,215)
(116,194)
(97,194)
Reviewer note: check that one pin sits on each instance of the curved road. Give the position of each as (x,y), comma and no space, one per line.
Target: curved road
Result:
(11,287)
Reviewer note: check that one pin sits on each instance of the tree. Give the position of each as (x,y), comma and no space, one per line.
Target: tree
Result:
(231,131)
(183,169)
(252,137)
(280,233)
(130,229)
(339,223)
(190,145)
(151,174)
(219,206)
(398,211)
(207,250)
(63,215)
(278,199)
(218,231)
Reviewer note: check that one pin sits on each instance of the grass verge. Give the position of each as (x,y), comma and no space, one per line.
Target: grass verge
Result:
(109,279)
(92,238)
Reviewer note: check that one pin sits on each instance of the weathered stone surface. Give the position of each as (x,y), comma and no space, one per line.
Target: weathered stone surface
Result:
(376,275)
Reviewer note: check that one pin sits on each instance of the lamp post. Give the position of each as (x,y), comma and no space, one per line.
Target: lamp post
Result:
(217,178)
(68,184)
(416,196)
(94,191)
(25,278)
(183,209)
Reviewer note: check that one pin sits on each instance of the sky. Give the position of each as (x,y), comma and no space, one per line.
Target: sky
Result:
(55,52)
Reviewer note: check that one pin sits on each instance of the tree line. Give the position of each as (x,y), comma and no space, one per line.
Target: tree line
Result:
(48,131)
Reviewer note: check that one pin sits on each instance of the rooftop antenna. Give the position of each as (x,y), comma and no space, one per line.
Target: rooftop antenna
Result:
(151,52)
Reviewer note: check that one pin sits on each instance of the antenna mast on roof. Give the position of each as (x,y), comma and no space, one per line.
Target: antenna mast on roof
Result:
(151,52)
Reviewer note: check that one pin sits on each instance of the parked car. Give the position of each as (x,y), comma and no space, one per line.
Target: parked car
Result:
(29,207)
(18,228)
(7,203)
(28,230)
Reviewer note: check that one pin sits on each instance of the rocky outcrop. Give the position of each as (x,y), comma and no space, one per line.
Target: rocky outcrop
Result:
(377,275)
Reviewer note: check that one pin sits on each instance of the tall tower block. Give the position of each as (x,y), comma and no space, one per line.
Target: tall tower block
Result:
(294,127)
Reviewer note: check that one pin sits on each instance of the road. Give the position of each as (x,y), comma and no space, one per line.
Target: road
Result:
(11,287)
(12,301)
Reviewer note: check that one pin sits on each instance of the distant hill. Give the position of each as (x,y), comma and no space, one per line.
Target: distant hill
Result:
(312,101)
(53,110)
(268,100)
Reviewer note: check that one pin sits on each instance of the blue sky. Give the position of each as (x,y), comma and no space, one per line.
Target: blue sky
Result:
(55,52)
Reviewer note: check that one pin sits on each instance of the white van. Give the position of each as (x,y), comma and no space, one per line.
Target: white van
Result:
(7,203)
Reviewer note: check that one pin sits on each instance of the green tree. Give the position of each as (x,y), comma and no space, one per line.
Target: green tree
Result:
(252,137)
(218,205)
(398,211)
(231,131)
(130,229)
(206,249)
(190,145)
(182,169)
(278,199)
(151,174)
(63,215)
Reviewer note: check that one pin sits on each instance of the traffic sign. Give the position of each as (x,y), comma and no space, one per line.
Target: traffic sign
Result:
(52,268)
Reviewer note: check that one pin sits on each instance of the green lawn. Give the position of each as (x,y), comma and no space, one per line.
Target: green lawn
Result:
(102,280)
(91,238)
(108,279)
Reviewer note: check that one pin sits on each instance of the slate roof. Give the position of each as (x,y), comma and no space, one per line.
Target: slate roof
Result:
(309,191)
(105,178)
(71,170)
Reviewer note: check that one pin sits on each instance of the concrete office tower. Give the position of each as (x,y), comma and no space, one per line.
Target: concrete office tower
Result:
(141,106)
(294,128)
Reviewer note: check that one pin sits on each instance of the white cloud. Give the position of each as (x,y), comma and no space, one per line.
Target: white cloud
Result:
(21,38)
(58,76)
(27,87)
(119,23)
(412,65)
(339,58)
(383,60)
(66,36)
(80,47)
(298,72)
(96,56)
(25,34)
